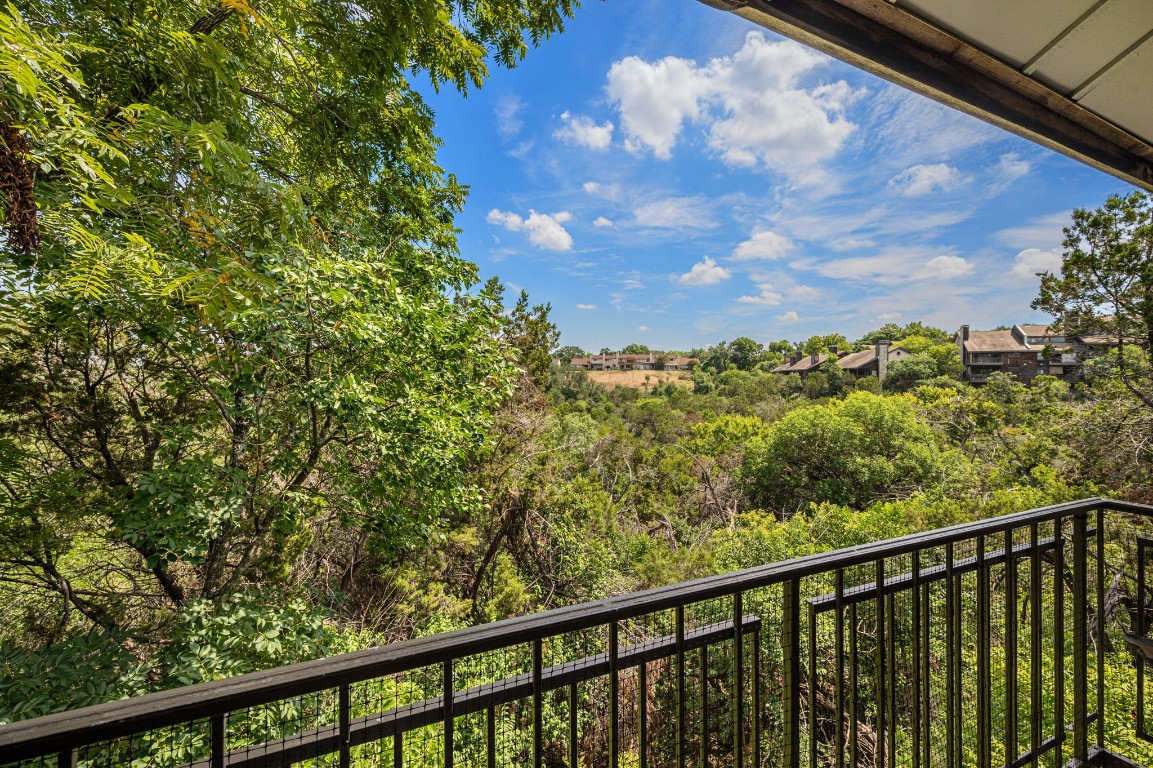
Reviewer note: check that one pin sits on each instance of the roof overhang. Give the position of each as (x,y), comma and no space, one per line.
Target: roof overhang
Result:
(1073,75)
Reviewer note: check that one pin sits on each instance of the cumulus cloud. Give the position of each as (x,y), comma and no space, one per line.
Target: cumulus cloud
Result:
(643,328)
(705,272)
(921,180)
(788,317)
(602,223)
(763,245)
(944,268)
(544,230)
(591,187)
(586,307)
(676,213)
(583,131)
(756,111)
(1033,260)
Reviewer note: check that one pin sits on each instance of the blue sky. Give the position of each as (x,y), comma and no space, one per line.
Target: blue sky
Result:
(669,174)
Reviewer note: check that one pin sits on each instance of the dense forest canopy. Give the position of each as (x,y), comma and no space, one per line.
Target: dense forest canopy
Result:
(255,408)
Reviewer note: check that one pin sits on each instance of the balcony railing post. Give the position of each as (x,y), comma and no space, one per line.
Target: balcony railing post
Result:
(682,698)
(1080,632)
(1058,640)
(344,703)
(984,721)
(738,681)
(791,648)
(884,666)
(217,725)
(1011,698)
(614,695)
(537,704)
(447,702)
(953,660)
(1101,639)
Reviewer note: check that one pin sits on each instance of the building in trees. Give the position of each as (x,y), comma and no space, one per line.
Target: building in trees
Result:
(869,362)
(652,361)
(1025,351)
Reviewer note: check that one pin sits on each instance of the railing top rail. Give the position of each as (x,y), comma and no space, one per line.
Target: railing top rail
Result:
(75,728)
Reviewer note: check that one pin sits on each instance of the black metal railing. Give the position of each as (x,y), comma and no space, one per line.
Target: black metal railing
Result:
(991,643)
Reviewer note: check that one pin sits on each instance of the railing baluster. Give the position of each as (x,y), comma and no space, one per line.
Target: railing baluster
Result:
(791,648)
(66,759)
(1080,630)
(217,725)
(738,681)
(1011,698)
(682,703)
(537,704)
(447,706)
(839,654)
(926,691)
(490,734)
(642,716)
(915,592)
(984,722)
(757,699)
(572,722)
(1058,642)
(344,704)
(398,751)
(854,688)
(1101,629)
(953,663)
(812,686)
(703,722)
(614,695)
(884,667)
(890,719)
(1037,694)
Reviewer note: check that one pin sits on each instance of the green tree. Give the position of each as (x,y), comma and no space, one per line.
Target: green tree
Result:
(1105,287)
(744,353)
(850,452)
(820,344)
(568,352)
(635,349)
(238,335)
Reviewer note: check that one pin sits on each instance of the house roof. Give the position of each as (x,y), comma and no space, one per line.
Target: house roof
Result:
(994,341)
(1040,330)
(804,364)
(1072,75)
(858,359)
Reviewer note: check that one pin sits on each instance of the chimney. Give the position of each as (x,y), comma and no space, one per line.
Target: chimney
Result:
(882,359)
(962,337)
(964,333)
(815,358)
(833,350)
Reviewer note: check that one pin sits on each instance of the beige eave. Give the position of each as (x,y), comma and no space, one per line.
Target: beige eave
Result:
(1073,75)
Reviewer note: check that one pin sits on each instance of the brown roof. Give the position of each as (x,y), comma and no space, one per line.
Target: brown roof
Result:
(1040,330)
(994,341)
(804,364)
(858,359)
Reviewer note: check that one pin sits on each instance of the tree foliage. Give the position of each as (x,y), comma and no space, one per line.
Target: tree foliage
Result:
(239,348)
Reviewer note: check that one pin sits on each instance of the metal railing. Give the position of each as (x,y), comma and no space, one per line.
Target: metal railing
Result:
(991,643)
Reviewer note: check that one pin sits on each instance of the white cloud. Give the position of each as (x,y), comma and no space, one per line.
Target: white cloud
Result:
(804,293)
(586,307)
(582,130)
(654,100)
(591,187)
(705,272)
(766,298)
(921,180)
(1011,168)
(1033,260)
(643,328)
(889,316)
(914,129)
(763,245)
(544,230)
(788,317)
(508,116)
(602,223)
(1043,232)
(896,265)
(944,268)
(756,111)
(676,213)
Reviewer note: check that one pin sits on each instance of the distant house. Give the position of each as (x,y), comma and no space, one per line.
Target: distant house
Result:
(1023,351)
(648,362)
(872,362)
(868,362)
